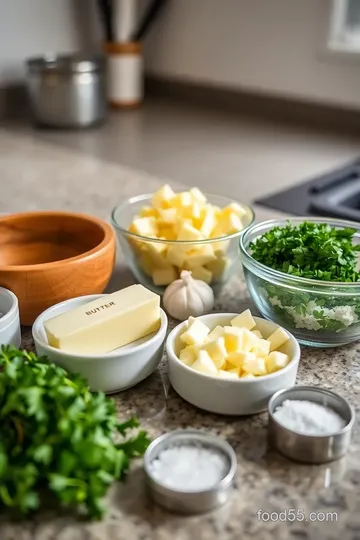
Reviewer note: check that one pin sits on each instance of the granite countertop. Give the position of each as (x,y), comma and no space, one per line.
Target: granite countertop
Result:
(40,176)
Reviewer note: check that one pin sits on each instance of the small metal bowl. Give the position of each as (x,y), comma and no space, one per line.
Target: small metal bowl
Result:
(310,448)
(190,502)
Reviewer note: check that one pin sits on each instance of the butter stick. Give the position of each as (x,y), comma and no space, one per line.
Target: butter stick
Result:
(107,323)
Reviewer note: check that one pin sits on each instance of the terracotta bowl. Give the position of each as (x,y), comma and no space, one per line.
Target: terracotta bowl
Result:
(48,257)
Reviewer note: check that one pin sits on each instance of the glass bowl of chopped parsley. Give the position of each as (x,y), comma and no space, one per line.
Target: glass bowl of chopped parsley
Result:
(304,275)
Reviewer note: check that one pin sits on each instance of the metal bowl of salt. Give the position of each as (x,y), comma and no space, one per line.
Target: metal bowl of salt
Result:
(189,471)
(310,424)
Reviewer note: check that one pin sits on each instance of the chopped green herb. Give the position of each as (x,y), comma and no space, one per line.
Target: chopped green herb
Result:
(57,435)
(309,250)
(314,251)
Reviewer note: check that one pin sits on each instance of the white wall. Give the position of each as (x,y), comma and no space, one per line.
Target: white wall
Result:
(35,27)
(271,46)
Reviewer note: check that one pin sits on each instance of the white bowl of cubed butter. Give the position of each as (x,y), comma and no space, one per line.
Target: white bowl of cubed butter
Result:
(163,233)
(114,340)
(230,363)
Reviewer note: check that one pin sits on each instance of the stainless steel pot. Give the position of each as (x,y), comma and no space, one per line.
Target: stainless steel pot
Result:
(67,91)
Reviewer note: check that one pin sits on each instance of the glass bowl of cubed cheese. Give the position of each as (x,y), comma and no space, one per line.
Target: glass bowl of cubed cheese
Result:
(163,233)
(229,363)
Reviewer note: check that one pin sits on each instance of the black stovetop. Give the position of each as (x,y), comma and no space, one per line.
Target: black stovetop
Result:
(334,194)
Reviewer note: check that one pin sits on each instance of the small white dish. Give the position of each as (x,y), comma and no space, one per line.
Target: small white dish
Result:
(111,372)
(231,397)
(10,333)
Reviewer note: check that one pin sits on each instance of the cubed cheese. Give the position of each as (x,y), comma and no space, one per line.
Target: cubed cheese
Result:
(189,354)
(200,257)
(145,226)
(157,253)
(234,208)
(166,232)
(216,333)
(230,223)
(146,263)
(192,212)
(188,232)
(200,272)
(181,200)
(219,267)
(195,334)
(231,375)
(197,195)
(176,256)
(244,320)
(254,365)
(217,351)
(179,223)
(278,338)
(233,339)
(163,197)
(148,211)
(204,364)
(209,221)
(167,215)
(276,360)
(164,276)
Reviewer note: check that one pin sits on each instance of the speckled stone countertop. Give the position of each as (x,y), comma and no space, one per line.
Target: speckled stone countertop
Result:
(39,176)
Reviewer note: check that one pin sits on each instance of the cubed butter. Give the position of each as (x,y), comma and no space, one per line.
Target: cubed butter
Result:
(209,221)
(278,338)
(244,320)
(107,323)
(234,208)
(164,276)
(247,376)
(254,365)
(195,334)
(276,360)
(261,347)
(231,375)
(189,354)
(237,358)
(217,351)
(204,364)
(230,223)
(216,333)
(181,200)
(257,333)
(233,339)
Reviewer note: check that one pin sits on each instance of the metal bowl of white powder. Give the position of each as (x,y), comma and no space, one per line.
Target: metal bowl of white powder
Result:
(189,471)
(310,424)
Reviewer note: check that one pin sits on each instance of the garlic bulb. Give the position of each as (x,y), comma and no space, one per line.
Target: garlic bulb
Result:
(187,297)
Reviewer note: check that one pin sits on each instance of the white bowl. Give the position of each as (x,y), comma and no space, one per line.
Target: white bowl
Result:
(233,397)
(110,372)
(9,322)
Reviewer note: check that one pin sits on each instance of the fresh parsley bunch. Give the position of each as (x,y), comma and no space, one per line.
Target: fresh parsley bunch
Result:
(309,250)
(57,435)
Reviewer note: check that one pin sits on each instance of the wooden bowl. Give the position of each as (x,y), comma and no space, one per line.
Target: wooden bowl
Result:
(48,257)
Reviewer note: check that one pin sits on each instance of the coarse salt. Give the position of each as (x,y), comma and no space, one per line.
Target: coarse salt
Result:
(189,467)
(308,417)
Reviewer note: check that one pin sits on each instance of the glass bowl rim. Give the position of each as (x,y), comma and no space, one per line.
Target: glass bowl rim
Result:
(291,279)
(147,196)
